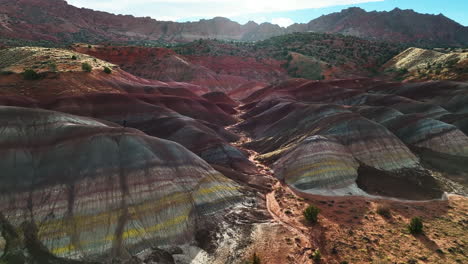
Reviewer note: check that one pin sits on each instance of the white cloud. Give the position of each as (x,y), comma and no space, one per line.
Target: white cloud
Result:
(205,8)
(282,21)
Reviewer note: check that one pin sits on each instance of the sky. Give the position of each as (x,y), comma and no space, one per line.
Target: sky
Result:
(281,12)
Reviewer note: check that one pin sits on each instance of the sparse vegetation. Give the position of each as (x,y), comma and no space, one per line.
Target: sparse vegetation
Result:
(384,210)
(107,70)
(311,214)
(86,67)
(316,256)
(74,57)
(30,74)
(416,226)
(254,260)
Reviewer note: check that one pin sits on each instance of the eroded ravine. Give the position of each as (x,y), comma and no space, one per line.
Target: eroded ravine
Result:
(307,240)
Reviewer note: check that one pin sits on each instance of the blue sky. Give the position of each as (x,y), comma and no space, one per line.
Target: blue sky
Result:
(274,11)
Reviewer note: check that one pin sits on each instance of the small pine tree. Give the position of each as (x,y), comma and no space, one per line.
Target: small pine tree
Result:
(107,70)
(416,226)
(30,74)
(86,67)
(311,214)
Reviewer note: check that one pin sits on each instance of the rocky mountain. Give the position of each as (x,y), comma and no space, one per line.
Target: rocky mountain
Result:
(402,26)
(55,21)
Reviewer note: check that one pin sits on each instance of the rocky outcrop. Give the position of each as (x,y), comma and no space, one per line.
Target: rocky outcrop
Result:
(401,26)
(422,64)
(80,188)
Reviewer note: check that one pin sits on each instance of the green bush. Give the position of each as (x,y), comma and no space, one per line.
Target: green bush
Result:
(74,57)
(30,74)
(311,214)
(416,225)
(86,67)
(107,70)
(316,256)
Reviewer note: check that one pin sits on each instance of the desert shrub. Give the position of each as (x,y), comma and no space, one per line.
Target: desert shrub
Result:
(86,67)
(74,57)
(53,66)
(316,256)
(254,260)
(107,70)
(402,71)
(311,213)
(384,210)
(416,225)
(89,46)
(30,74)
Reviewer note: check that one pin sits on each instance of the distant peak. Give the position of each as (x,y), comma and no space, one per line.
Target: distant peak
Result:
(222,19)
(252,23)
(354,9)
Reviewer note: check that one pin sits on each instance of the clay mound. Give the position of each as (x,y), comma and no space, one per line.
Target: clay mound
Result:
(246,90)
(80,188)
(222,101)
(220,98)
(394,132)
(319,165)
(207,140)
(196,108)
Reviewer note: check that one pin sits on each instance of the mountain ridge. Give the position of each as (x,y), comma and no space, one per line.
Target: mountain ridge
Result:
(56,21)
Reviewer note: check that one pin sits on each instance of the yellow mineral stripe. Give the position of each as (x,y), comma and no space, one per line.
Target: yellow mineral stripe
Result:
(63,250)
(316,172)
(215,189)
(62,228)
(312,165)
(129,233)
